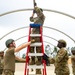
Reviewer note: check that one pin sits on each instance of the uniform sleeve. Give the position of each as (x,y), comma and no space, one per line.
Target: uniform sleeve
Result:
(11,51)
(52,60)
(39,12)
(60,55)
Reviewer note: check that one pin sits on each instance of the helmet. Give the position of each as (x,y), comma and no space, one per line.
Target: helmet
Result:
(62,41)
(8,42)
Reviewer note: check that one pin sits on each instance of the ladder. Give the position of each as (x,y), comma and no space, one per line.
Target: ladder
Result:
(36,44)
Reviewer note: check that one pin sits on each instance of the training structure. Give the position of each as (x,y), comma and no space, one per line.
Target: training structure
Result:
(28,54)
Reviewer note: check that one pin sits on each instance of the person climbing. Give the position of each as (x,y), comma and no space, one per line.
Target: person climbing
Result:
(39,19)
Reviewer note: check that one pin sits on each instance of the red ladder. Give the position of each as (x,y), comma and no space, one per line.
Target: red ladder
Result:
(27,66)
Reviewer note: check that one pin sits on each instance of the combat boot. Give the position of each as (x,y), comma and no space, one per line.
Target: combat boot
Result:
(38,71)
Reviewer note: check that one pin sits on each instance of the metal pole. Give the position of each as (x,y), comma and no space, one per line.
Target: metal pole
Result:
(34,3)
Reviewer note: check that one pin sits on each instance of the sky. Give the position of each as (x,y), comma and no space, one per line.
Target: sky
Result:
(54,20)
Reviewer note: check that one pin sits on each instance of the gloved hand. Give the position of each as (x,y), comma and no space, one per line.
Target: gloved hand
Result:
(32,41)
(35,4)
(45,57)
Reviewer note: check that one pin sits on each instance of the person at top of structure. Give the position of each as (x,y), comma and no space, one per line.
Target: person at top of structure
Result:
(39,19)
(9,57)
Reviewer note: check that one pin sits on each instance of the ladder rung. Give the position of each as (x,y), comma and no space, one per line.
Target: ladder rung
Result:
(36,44)
(35,54)
(35,35)
(35,66)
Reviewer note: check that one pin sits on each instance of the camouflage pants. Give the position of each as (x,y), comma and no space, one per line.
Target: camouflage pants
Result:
(73,70)
(35,31)
(7,72)
(36,60)
(59,73)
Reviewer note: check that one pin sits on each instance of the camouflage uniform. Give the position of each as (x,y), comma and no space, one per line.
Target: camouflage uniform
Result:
(37,20)
(73,61)
(1,66)
(1,62)
(9,64)
(60,61)
(8,72)
(61,64)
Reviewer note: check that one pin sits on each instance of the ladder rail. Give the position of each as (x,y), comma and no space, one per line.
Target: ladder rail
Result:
(27,58)
(38,44)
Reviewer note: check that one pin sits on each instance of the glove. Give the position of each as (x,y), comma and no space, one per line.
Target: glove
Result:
(32,41)
(35,4)
(45,57)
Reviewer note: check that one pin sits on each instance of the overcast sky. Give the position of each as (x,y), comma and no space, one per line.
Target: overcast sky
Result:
(21,19)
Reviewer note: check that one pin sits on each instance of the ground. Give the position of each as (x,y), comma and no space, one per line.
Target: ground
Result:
(50,69)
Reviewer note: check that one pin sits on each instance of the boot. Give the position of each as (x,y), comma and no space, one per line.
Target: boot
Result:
(38,71)
(32,60)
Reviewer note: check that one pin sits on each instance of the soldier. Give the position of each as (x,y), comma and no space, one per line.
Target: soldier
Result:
(61,59)
(1,61)
(73,60)
(37,20)
(9,58)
